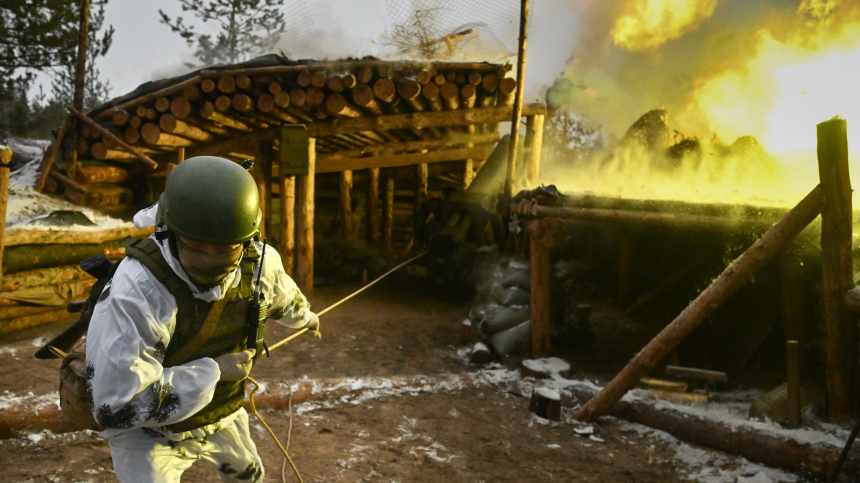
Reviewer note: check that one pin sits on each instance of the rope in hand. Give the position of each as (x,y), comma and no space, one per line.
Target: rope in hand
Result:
(282,342)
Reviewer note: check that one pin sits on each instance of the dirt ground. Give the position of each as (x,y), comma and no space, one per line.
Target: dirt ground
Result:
(400,327)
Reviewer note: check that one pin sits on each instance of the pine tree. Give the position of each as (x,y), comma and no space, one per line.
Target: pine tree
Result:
(42,36)
(246,28)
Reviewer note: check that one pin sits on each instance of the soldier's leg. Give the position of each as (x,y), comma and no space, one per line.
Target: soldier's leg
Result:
(142,457)
(234,453)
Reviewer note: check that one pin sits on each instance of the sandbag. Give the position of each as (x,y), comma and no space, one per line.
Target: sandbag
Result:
(517,277)
(514,339)
(511,296)
(505,318)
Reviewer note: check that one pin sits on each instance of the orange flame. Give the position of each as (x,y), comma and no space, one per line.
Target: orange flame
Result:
(651,23)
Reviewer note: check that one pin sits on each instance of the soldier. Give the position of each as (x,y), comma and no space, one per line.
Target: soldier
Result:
(166,352)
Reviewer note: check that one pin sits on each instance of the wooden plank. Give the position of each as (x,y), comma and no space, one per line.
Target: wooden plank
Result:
(387,211)
(409,159)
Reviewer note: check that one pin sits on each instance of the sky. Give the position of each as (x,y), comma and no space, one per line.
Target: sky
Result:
(144,49)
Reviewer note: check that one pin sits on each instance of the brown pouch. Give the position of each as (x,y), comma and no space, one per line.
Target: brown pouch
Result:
(73,390)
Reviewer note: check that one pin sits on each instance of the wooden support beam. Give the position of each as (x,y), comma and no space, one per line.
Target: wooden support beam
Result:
(247,144)
(533,146)
(518,102)
(345,204)
(287,194)
(109,135)
(544,234)
(372,222)
(732,278)
(305,224)
(394,160)
(5,164)
(387,122)
(387,211)
(630,217)
(836,263)
(451,140)
(51,154)
(267,158)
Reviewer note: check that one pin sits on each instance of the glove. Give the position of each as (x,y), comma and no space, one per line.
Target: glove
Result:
(235,366)
(313,324)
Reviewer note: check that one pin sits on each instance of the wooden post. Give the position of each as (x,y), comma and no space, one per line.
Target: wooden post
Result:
(288,222)
(269,158)
(345,204)
(468,173)
(5,159)
(518,104)
(544,233)
(732,278)
(836,262)
(305,224)
(180,157)
(372,223)
(792,364)
(387,212)
(534,146)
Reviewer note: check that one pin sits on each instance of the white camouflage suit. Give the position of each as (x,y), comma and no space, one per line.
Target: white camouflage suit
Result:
(134,396)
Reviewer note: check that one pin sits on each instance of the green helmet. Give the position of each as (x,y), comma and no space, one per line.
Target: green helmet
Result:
(211,200)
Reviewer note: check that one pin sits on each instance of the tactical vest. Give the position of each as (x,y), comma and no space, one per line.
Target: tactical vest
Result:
(204,329)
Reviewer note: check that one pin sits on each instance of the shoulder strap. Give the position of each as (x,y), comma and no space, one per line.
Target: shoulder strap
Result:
(147,252)
(205,332)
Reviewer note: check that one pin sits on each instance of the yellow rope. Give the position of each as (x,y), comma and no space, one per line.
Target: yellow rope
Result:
(362,289)
(284,450)
(293,336)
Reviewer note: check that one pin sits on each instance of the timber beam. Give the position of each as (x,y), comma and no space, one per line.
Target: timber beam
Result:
(325,165)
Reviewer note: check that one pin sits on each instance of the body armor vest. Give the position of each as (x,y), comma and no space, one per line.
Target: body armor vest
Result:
(204,329)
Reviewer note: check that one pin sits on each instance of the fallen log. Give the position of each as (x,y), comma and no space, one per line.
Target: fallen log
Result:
(27,257)
(28,322)
(42,277)
(100,174)
(733,278)
(780,452)
(68,237)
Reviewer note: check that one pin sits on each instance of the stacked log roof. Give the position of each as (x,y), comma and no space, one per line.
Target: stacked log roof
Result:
(351,107)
